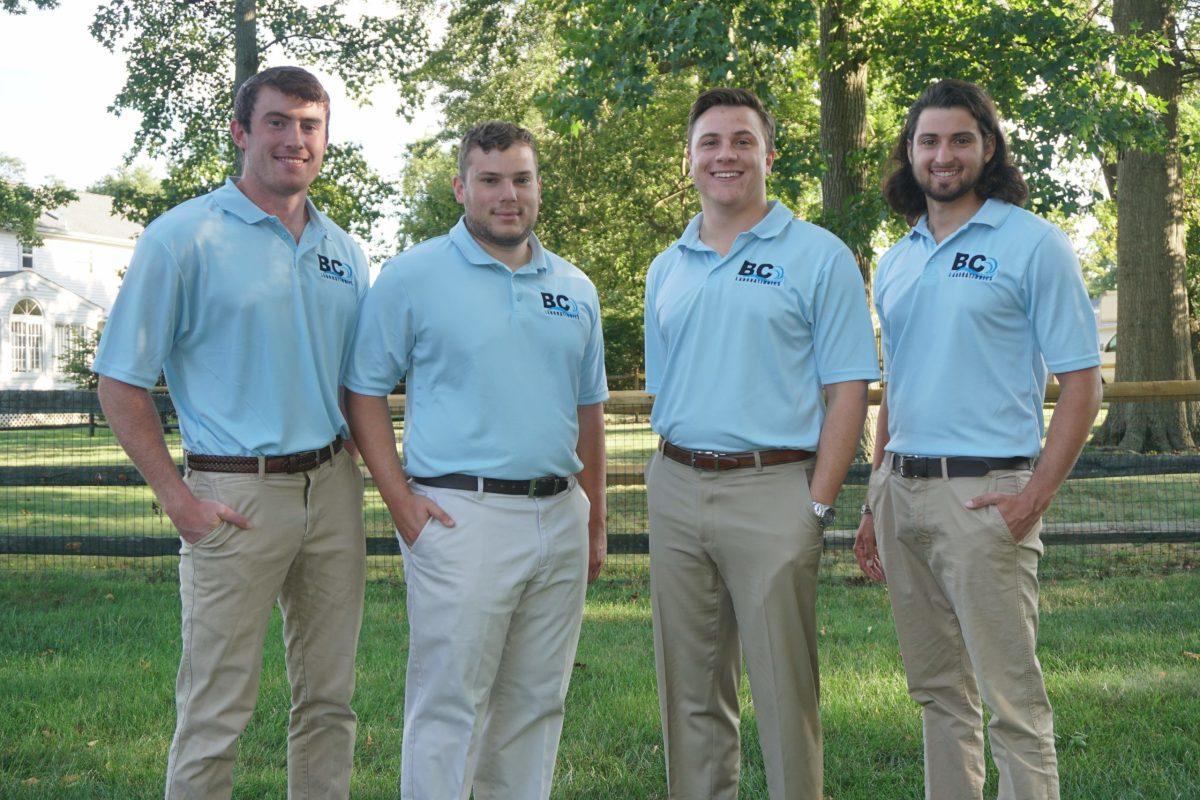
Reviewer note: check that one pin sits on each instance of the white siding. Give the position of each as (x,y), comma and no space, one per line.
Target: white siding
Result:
(88,268)
(58,307)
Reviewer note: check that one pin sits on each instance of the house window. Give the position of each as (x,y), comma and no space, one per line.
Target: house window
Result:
(65,339)
(26,256)
(26,328)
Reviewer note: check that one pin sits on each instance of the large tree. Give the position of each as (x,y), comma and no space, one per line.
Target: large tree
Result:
(1152,304)
(185,61)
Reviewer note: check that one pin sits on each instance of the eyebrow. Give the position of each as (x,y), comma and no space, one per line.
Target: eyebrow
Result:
(493,174)
(743,132)
(305,118)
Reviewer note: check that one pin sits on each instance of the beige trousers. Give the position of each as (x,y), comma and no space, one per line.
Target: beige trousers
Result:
(306,550)
(733,560)
(495,606)
(965,600)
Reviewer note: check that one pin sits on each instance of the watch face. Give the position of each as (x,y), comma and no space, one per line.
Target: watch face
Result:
(828,517)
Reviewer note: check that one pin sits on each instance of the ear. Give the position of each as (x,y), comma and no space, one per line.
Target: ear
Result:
(460,188)
(989,148)
(238,132)
(770,160)
(908,146)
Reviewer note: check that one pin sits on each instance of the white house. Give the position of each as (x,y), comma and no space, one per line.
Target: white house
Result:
(52,293)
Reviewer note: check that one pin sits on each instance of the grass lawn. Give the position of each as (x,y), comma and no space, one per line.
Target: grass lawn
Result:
(87,666)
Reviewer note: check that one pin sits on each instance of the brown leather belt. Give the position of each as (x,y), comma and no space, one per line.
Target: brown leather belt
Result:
(295,462)
(712,460)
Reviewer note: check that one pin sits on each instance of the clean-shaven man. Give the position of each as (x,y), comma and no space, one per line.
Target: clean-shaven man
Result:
(247,298)
(499,505)
(758,351)
(976,303)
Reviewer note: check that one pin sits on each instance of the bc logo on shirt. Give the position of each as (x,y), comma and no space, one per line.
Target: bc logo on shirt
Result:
(559,305)
(765,274)
(333,269)
(980,267)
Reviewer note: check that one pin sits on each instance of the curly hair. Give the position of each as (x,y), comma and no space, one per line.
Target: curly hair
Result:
(999,178)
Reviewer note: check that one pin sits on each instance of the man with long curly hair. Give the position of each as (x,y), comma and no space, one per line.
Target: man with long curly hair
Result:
(976,304)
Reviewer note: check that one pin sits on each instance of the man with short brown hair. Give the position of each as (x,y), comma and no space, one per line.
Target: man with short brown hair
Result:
(247,299)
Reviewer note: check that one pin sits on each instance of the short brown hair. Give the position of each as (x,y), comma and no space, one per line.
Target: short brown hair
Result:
(490,135)
(999,178)
(292,81)
(725,96)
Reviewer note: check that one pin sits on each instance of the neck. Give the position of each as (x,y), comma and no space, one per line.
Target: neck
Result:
(513,257)
(292,210)
(720,225)
(945,218)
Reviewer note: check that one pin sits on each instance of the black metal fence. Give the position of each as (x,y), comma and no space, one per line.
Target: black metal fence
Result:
(69,497)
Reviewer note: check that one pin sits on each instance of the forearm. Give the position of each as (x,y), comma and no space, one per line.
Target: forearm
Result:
(134,420)
(882,437)
(590,449)
(1070,426)
(845,412)
(370,422)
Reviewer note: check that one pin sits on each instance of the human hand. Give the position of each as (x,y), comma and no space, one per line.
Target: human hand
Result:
(597,547)
(1020,512)
(866,551)
(195,519)
(411,513)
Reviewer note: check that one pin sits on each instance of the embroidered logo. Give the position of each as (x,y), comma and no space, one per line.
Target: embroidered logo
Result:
(765,274)
(979,268)
(559,305)
(334,270)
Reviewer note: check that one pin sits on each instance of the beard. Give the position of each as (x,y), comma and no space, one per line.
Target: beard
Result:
(954,192)
(485,233)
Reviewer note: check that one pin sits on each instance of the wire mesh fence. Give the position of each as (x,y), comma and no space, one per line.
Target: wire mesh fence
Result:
(70,498)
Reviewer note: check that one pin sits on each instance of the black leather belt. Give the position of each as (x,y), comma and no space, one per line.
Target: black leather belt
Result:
(534,487)
(294,462)
(956,466)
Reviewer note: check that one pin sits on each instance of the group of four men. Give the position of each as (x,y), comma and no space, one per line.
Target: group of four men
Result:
(759,349)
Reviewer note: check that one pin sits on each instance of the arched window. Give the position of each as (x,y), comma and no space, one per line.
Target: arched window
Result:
(27,332)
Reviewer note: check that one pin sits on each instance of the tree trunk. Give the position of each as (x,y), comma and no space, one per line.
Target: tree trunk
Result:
(1152,306)
(245,53)
(847,178)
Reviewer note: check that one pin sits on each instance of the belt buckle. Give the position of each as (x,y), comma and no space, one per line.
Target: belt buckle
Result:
(906,467)
(532,487)
(713,454)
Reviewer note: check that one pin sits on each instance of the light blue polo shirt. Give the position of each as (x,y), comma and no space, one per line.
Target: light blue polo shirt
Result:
(970,327)
(495,361)
(738,347)
(252,329)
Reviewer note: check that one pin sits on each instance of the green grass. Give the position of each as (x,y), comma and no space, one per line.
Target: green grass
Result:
(87,664)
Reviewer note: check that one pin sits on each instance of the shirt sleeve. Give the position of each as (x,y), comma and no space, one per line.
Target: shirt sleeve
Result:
(655,343)
(384,338)
(149,316)
(885,346)
(593,384)
(843,340)
(1059,309)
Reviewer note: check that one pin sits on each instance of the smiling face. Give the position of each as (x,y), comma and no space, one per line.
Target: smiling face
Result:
(729,157)
(500,193)
(283,145)
(948,153)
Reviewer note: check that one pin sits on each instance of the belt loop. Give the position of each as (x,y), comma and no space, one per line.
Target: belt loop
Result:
(262,467)
(945,468)
(758,461)
(478,487)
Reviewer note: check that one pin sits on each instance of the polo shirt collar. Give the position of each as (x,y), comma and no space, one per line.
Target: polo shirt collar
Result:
(992,213)
(231,199)
(770,226)
(475,254)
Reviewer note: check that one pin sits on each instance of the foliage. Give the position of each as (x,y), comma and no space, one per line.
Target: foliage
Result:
(76,363)
(18,7)
(180,58)
(126,178)
(22,205)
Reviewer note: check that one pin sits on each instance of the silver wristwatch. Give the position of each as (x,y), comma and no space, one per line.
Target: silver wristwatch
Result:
(825,514)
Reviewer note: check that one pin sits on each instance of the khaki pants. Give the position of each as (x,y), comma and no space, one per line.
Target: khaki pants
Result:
(733,559)
(965,600)
(306,550)
(495,606)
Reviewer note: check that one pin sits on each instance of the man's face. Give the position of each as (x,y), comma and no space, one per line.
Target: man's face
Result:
(284,145)
(500,194)
(948,153)
(729,157)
